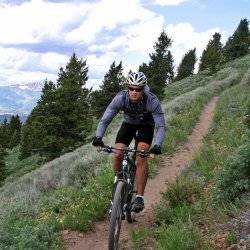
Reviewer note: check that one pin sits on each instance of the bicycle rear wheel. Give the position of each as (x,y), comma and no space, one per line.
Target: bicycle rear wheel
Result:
(116,216)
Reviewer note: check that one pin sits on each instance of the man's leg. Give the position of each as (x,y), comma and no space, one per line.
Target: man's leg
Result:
(141,169)
(145,136)
(141,178)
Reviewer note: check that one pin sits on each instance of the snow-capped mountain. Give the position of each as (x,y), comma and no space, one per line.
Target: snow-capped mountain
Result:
(19,98)
(36,86)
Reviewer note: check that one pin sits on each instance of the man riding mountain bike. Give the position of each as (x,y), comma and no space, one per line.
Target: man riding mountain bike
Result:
(142,113)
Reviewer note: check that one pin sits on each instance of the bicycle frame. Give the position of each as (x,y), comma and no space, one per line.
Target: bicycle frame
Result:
(128,173)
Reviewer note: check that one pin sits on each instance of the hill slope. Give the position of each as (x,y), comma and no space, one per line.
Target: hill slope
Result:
(21,202)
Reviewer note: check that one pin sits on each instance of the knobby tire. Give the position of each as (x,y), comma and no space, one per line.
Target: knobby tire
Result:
(130,197)
(116,216)
(129,217)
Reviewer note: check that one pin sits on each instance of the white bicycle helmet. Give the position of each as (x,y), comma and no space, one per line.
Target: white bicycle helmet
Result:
(137,79)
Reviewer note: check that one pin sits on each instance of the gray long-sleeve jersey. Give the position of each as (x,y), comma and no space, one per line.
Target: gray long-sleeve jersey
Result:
(152,107)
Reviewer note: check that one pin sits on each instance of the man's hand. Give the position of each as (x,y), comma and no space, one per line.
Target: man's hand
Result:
(97,142)
(156,150)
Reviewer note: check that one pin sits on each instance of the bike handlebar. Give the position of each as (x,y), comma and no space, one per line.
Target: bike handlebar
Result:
(127,150)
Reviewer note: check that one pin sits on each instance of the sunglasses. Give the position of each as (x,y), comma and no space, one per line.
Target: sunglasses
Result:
(136,90)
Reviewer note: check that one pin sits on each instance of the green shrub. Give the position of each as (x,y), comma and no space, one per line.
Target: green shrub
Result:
(27,233)
(180,214)
(247,115)
(178,236)
(16,167)
(77,208)
(231,238)
(205,161)
(184,191)
(139,237)
(234,180)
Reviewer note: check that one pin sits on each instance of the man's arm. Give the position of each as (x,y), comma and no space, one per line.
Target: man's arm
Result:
(112,109)
(159,120)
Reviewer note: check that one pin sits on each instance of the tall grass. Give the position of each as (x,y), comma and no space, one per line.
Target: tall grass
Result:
(184,110)
(22,200)
(192,82)
(200,196)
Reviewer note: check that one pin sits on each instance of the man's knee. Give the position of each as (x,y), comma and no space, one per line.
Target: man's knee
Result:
(143,146)
(119,154)
(142,161)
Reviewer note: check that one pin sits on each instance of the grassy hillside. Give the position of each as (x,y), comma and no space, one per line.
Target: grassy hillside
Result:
(16,167)
(63,193)
(215,187)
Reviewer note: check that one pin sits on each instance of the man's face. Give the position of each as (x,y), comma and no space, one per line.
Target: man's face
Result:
(135,93)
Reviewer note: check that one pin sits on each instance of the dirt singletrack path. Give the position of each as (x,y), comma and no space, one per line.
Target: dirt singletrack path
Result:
(169,169)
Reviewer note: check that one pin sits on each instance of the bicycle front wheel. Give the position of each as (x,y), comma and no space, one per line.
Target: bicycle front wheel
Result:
(129,217)
(116,216)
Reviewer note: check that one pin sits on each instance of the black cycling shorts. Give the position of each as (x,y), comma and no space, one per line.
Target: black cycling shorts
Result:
(128,131)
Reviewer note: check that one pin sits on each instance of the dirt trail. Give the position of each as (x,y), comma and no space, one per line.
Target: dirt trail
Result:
(171,166)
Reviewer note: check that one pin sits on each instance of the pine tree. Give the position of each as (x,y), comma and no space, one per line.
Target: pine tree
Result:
(3,173)
(39,126)
(4,134)
(113,83)
(159,71)
(60,121)
(14,131)
(238,44)
(1,135)
(212,56)
(186,67)
(74,100)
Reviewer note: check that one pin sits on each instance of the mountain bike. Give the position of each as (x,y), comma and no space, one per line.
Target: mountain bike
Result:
(123,192)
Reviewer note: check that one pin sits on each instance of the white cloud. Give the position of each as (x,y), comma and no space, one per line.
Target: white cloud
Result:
(21,66)
(53,61)
(118,30)
(185,38)
(142,36)
(16,77)
(115,43)
(139,37)
(99,65)
(169,2)
(94,83)
(34,21)
(107,15)
(12,58)
(27,77)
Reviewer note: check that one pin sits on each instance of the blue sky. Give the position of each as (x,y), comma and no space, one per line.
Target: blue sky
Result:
(205,14)
(37,37)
